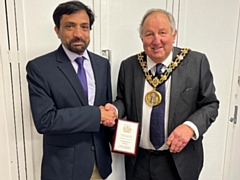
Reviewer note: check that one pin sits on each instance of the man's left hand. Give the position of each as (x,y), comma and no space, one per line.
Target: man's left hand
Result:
(179,138)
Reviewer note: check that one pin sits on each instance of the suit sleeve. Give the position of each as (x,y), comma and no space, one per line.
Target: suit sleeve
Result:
(119,103)
(50,120)
(207,104)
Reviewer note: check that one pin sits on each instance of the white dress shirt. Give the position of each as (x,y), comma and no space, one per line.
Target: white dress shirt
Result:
(88,69)
(146,114)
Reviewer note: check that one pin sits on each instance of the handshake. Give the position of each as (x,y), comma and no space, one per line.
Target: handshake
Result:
(108,115)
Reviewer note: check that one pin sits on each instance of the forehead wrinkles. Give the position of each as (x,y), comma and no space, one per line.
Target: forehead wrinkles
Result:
(156,19)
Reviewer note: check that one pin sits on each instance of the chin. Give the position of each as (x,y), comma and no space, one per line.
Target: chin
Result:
(157,59)
(157,55)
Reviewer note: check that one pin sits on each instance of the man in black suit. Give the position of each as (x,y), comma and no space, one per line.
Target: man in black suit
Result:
(68,113)
(170,91)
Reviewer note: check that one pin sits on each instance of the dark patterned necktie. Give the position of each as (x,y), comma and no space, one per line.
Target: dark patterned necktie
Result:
(157,136)
(82,74)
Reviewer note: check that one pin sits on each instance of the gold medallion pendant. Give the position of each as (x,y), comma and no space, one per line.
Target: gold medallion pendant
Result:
(153,98)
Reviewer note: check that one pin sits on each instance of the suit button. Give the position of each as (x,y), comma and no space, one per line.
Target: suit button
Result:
(93,148)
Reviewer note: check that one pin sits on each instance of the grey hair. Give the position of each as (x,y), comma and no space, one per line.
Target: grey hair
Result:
(169,16)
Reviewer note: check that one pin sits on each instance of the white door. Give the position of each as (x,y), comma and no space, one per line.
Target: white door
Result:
(13,155)
(202,27)
(232,158)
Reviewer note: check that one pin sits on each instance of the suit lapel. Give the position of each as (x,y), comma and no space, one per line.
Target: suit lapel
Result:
(177,85)
(67,69)
(96,65)
(139,80)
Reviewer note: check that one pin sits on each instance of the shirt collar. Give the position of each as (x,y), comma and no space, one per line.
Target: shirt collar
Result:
(72,56)
(151,64)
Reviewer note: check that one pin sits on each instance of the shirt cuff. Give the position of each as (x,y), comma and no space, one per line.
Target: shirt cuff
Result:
(116,111)
(194,128)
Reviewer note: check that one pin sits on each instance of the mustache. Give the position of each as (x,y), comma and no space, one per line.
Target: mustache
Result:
(77,40)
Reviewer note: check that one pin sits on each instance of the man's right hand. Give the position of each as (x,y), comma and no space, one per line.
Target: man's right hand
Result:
(108,115)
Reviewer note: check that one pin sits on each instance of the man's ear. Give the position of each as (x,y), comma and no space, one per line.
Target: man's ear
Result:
(175,34)
(57,31)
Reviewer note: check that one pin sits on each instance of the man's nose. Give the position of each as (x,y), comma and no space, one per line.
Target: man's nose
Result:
(78,32)
(156,39)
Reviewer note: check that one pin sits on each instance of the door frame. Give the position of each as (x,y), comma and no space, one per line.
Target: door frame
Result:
(233,103)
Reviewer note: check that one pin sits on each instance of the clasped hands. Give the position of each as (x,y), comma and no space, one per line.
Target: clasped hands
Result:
(108,115)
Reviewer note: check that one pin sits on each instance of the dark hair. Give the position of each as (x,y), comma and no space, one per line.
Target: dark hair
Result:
(71,7)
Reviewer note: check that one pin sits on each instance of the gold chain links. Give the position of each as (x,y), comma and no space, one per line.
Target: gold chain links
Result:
(154,80)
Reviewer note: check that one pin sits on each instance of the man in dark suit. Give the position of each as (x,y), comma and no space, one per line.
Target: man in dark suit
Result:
(170,91)
(69,113)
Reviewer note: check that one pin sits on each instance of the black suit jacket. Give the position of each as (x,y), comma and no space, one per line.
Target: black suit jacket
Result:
(192,98)
(73,136)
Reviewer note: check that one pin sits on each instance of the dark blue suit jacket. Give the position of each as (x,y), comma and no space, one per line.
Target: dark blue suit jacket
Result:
(72,135)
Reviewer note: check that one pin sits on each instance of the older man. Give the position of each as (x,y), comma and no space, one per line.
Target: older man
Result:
(170,91)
